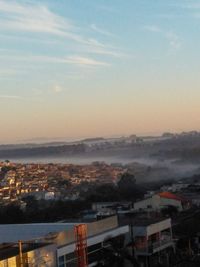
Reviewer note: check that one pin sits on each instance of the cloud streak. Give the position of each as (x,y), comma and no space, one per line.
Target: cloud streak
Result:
(74,59)
(11,97)
(98,30)
(152,28)
(39,19)
(17,97)
(32,18)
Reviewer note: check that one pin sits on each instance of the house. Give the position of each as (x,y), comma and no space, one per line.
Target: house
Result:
(160,201)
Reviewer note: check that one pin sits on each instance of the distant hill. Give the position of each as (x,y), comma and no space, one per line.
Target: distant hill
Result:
(43,151)
(184,146)
(96,139)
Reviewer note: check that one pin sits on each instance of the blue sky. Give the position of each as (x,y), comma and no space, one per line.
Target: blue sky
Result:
(78,68)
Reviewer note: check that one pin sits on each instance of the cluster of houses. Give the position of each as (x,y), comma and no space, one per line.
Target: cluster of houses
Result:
(51,181)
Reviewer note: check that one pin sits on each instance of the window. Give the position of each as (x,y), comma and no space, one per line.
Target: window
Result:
(61,261)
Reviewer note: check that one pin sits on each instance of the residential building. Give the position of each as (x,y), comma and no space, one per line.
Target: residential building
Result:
(162,200)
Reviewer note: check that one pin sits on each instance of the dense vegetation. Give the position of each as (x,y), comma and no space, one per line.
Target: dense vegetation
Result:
(42,211)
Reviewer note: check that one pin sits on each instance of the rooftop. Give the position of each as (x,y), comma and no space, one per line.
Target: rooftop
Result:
(170,195)
(15,232)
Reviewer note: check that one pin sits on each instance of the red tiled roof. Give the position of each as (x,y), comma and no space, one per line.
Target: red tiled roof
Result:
(171,196)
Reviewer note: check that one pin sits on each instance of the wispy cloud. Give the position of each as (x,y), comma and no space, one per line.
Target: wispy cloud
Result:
(20,98)
(74,59)
(32,18)
(85,61)
(11,97)
(109,52)
(37,18)
(172,38)
(101,31)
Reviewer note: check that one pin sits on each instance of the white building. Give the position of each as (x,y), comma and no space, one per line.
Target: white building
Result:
(63,237)
(160,201)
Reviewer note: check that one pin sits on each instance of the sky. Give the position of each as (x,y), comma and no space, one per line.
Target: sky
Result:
(73,69)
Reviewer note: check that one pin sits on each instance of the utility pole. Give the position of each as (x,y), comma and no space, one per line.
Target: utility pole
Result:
(132,240)
(20,253)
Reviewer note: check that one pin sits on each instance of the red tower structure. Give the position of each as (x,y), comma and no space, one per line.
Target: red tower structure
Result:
(81,244)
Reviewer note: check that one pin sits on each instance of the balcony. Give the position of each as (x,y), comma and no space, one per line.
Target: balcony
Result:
(154,247)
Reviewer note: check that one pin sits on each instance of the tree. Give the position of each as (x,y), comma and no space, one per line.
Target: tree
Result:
(105,192)
(31,204)
(127,179)
(11,214)
(128,188)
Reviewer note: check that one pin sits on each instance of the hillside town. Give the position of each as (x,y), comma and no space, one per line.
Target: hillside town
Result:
(51,181)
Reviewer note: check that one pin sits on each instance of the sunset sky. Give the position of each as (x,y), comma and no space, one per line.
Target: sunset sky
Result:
(84,68)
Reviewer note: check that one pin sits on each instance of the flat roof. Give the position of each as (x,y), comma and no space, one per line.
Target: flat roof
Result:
(15,232)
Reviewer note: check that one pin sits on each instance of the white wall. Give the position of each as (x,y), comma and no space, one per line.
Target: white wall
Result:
(156,203)
(153,202)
